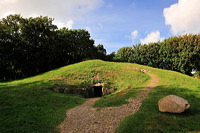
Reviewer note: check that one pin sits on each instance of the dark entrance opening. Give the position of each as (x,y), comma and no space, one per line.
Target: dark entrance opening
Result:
(98,91)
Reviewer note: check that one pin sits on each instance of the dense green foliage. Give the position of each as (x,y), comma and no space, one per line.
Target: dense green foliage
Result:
(180,54)
(123,54)
(149,119)
(197,73)
(29,46)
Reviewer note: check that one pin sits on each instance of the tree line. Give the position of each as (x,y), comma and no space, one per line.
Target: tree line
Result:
(30,46)
(179,53)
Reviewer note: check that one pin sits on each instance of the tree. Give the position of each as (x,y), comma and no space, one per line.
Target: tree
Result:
(101,52)
(29,46)
(197,73)
(111,56)
(38,35)
(124,54)
(180,54)
(73,46)
(10,47)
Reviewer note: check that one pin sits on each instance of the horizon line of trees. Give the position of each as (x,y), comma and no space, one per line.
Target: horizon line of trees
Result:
(30,46)
(178,53)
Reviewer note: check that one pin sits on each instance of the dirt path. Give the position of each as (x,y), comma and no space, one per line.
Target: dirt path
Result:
(85,118)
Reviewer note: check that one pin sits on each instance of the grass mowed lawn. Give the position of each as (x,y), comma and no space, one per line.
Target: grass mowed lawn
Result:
(33,108)
(29,105)
(149,119)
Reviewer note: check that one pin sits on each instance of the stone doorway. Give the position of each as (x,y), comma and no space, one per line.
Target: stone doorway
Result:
(98,91)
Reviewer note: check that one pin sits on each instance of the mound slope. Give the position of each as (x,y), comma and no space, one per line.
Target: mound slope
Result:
(85,118)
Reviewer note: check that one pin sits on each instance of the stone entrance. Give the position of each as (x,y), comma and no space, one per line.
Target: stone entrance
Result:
(98,91)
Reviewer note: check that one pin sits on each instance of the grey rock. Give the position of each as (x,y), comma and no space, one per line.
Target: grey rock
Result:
(173,104)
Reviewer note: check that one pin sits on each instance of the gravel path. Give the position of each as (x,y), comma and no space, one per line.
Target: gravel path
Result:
(86,119)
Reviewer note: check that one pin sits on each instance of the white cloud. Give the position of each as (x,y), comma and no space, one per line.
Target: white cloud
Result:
(134,35)
(183,17)
(69,24)
(152,37)
(61,10)
(8,13)
(9,1)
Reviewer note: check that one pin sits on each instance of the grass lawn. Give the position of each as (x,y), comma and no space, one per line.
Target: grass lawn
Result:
(29,105)
(149,119)
(33,108)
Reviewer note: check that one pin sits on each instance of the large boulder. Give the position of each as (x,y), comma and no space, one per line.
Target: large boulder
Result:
(173,104)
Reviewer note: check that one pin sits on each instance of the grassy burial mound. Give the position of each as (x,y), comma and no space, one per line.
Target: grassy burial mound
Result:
(39,104)
(32,105)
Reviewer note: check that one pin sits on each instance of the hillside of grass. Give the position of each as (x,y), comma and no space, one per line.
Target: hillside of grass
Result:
(30,105)
(149,119)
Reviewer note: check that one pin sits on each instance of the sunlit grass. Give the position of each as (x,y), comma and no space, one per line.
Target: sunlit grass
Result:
(29,105)
(149,119)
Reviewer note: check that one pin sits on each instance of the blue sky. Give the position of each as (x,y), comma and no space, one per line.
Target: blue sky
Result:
(115,23)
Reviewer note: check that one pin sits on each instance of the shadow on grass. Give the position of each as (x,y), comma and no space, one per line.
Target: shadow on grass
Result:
(149,119)
(33,107)
(49,84)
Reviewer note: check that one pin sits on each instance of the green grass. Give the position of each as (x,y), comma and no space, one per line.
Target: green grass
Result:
(29,105)
(129,81)
(149,119)
(33,108)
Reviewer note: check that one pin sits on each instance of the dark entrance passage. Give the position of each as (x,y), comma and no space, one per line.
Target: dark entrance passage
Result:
(98,91)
